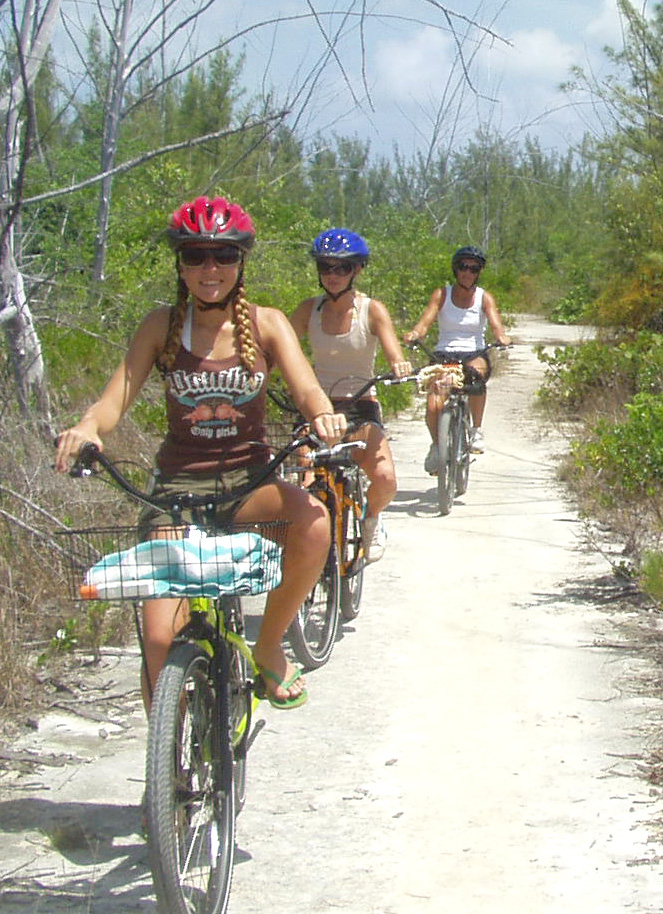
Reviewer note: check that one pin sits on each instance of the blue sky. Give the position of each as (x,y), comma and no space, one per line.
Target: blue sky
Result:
(409,75)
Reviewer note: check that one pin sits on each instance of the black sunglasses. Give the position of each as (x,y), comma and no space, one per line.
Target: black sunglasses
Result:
(223,256)
(469,267)
(341,268)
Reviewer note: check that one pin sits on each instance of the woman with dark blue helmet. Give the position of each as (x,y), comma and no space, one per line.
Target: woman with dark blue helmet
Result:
(344,327)
(463,311)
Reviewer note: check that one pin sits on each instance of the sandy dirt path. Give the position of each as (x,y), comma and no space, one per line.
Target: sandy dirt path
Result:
(471,746)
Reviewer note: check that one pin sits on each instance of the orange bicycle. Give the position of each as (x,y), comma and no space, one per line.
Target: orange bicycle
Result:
(334,477)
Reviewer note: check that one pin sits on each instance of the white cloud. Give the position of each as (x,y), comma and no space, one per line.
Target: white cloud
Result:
(537,54)
(606,27)
(409,68)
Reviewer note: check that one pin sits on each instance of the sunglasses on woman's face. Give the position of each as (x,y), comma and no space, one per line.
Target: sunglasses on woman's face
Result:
(223,256)
(469,268)
(338,268)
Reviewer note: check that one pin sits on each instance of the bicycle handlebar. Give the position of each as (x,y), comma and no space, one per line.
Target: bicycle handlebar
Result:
(387,378)
(432,354)
(175,504)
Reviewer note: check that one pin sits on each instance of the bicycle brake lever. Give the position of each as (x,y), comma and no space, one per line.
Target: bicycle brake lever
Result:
(82,466)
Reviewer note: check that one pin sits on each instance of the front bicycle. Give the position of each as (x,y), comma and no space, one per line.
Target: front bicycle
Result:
(201,710)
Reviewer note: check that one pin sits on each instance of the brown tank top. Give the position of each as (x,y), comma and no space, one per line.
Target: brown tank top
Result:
(216,413)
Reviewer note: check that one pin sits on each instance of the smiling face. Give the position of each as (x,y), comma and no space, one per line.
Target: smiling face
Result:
(210,271)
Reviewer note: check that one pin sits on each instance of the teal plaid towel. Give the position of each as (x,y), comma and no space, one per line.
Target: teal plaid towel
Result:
(200,565)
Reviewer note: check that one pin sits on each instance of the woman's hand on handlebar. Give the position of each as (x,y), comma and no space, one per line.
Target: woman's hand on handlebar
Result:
(331,427)
(69,444)
(401,369)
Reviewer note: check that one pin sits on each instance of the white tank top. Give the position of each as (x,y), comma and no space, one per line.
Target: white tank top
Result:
(461,329)
(343,361)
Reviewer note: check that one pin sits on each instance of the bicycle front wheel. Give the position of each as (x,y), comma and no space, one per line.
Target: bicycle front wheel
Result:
(446,467)
(312,632)
(190,795)
(463,452)
(352,548)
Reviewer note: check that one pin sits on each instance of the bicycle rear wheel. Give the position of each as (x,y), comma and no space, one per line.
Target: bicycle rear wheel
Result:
(446,467)
(190,795)
(463,451)
(312,632)
(352,547)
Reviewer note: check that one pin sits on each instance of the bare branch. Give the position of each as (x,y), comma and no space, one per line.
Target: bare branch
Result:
(146,157)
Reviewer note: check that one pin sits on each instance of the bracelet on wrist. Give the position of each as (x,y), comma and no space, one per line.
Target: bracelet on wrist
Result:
(325,412)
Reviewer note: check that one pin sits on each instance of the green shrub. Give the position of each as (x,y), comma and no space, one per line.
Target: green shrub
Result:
(571,309)
(650,577)
(627,456)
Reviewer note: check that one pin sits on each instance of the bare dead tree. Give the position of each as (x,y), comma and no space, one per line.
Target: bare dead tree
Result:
(32,29)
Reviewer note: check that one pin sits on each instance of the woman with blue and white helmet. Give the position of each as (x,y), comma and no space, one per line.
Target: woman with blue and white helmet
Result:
(344,327)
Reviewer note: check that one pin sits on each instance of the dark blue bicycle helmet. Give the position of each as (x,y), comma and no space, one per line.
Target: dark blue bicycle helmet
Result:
(468,251)
(342,244)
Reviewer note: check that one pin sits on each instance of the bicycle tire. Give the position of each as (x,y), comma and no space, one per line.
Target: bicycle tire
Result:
(312,633)
(190,797)
(463,451)
(446,465)
(352,547)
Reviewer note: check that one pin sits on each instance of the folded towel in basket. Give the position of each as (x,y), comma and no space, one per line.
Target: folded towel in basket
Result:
(198,565)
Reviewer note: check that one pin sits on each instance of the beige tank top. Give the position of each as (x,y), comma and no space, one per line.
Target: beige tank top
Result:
(343,361)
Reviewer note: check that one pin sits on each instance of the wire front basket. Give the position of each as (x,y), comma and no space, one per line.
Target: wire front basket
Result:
(119,563)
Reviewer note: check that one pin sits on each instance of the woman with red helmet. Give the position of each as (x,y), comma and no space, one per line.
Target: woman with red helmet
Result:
(463,311)
(214,351)
(344,327)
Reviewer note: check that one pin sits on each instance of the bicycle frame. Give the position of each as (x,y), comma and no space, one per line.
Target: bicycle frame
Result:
(330,485)
(208,627)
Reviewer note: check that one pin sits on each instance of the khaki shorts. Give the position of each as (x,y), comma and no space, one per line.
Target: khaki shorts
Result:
(233,481)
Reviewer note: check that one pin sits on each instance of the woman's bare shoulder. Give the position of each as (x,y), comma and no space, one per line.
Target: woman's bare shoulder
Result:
(154,326)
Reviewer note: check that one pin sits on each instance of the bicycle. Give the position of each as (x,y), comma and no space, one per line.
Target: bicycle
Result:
(200,721)
(341,485)
(454,423)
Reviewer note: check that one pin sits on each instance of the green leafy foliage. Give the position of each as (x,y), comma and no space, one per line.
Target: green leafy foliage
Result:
(602,370)
(628,455)
(572,308)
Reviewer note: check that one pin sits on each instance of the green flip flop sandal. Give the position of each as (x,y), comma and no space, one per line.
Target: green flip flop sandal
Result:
(288,703)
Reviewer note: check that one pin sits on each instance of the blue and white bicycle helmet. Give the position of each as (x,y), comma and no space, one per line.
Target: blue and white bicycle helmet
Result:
(342,244)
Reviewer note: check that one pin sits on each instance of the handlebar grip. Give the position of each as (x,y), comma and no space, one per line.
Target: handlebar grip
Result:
(87,455)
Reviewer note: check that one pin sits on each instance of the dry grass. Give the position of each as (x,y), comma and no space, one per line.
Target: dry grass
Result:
(39,622)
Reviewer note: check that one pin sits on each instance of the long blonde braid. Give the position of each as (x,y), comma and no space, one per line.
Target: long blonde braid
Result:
(244,330)
(175,327)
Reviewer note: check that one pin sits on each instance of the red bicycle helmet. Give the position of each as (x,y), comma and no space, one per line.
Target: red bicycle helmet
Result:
(204,219)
